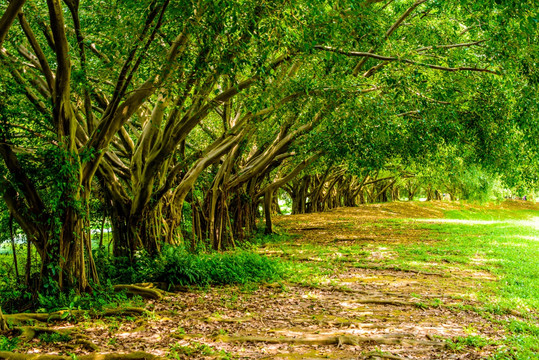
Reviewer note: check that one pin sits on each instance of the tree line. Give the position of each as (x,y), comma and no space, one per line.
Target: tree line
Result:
(179,120)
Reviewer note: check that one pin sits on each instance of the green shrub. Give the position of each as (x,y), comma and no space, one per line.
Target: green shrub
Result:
(102,296)
(54,337)
(183,268)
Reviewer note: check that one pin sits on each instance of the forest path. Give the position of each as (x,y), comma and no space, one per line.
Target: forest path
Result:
(348,295)
(344,302)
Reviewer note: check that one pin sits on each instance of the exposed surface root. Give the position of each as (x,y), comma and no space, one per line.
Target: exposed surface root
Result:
(144,292)
(332,340)
(128,311)
(86,343)
(384,302)
(30,332)
(29,318)
(166,287)
(132,356)
(396,268)
(378,355)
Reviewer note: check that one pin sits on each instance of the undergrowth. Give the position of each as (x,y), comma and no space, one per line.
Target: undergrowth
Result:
(177,266)
(174,266)
(7,344)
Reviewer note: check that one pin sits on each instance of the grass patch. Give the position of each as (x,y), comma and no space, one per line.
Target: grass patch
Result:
(498,247)
(218,268)
(502,242)
(460,343)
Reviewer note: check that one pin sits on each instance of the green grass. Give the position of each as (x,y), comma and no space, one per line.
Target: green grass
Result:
(502,242)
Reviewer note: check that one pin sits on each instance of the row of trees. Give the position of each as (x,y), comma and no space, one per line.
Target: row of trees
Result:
(162,113)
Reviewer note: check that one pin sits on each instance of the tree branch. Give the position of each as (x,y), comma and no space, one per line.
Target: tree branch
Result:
(405,61)
(9,16)
(388,33)
(450,46)
(45,68)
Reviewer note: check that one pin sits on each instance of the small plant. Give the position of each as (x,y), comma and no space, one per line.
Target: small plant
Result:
(459,343)
(54,337)
(178,351)
(113,326)
(222,332)
(421,305)
(7,344)
(520,327)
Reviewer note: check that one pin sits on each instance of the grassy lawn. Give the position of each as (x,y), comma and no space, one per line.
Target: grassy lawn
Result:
(501,244)
(504,243)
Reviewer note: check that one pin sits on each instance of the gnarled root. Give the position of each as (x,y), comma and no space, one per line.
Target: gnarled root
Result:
(132,356)
(332,340)
(87,344)
(165,287)
(128,311)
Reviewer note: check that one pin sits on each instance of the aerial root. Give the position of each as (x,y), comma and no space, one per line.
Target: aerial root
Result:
(3,322)
(144,292)
(332,340)
(132,356)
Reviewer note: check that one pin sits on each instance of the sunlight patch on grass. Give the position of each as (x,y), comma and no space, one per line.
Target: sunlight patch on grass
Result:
(461,221)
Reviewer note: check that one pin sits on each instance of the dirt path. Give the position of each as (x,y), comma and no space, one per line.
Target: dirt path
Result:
(355,310)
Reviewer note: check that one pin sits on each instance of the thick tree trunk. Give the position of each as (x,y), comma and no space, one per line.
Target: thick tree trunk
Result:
(71,253)
(124,231)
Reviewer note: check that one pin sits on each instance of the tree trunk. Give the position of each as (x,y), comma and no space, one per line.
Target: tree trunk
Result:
(71,261)
(122,232)
(3,323)
(268,200)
